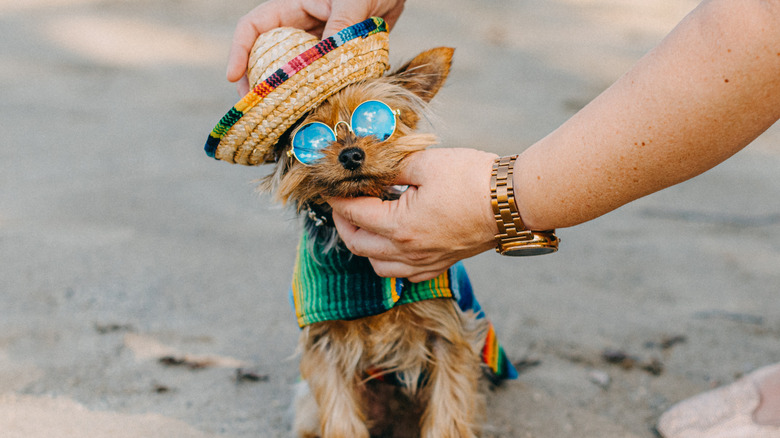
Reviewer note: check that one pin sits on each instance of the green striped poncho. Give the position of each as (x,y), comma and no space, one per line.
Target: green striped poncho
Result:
(338,285)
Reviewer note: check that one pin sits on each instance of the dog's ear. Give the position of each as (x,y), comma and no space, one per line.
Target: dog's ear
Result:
(425,74)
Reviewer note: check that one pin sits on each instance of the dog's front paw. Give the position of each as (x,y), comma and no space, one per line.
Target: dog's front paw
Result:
(307,416)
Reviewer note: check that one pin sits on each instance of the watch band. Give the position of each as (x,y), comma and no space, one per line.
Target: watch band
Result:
(513,238)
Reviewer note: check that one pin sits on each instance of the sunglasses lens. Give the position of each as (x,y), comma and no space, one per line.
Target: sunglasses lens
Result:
(373,118)
(309,141)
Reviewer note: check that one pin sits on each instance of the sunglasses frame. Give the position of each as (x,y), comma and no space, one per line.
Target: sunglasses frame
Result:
(334,129)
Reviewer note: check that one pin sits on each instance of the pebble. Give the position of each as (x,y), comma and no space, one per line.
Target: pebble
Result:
(600,378)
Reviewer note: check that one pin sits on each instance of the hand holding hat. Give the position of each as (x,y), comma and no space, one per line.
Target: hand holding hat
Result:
(320,18)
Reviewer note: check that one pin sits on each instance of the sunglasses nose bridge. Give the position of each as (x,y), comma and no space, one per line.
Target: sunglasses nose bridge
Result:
(339,123)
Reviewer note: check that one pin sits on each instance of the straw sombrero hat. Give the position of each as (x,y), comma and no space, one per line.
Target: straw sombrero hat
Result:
(291,72)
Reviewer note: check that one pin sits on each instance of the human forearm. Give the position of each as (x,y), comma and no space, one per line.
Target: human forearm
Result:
(709,89)
(705,92)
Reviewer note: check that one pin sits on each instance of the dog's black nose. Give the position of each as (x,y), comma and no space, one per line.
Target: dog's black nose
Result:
(352,158)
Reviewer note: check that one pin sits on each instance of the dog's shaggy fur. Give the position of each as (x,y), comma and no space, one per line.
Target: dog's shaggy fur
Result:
(430,348)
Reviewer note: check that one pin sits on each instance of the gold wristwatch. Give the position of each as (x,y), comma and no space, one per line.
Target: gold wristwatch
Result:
(513,238)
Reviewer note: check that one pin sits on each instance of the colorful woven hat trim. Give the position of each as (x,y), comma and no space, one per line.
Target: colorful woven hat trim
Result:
(360,30)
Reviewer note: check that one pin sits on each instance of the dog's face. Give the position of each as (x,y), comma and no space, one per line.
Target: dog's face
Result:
(354,165)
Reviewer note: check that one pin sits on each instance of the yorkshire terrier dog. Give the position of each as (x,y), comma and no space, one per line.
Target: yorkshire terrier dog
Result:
(414,369)
(380,357)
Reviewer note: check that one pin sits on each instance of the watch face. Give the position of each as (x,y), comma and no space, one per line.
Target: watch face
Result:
(529,251)
(542,242)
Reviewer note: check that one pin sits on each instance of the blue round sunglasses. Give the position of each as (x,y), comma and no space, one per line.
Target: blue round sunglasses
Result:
(372,117)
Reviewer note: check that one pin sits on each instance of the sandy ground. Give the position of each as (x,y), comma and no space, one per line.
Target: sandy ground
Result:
(138,276)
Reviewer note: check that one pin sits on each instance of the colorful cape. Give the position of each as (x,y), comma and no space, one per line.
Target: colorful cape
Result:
(338,285)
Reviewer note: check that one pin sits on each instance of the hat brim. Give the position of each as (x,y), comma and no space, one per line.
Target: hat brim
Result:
(248,132)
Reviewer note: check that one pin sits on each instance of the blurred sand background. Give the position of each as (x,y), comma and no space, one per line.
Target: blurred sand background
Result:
(143,286)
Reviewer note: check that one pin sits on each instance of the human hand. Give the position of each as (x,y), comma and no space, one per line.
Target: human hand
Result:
(322,18)
(445,216)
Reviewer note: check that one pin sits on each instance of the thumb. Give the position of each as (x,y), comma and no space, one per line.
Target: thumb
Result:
(412,170)
(344,14)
